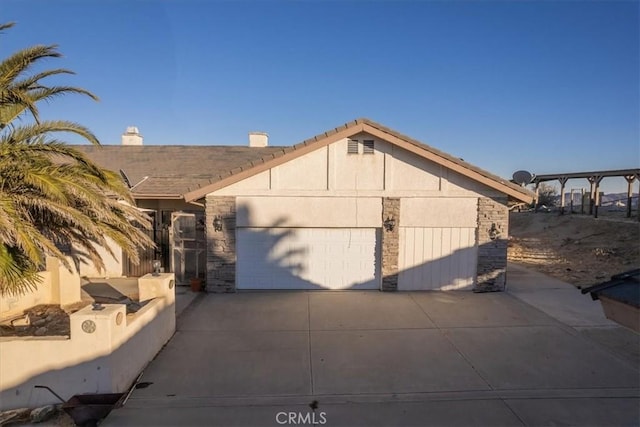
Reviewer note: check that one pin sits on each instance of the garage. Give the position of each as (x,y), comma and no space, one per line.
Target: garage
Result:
(437,239)
(307,258)
(357,207)
(437,258)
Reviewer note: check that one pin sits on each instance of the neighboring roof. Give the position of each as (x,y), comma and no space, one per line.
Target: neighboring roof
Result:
(170,171)
(237,173)
(623,287)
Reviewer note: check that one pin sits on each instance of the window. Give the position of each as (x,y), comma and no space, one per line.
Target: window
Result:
(368,146)
(352,146)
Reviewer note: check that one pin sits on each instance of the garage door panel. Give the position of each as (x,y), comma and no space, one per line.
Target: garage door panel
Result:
(437,258)
(307,258)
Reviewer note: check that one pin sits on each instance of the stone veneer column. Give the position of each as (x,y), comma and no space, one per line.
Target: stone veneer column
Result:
(221,245)
(492,244)
(390,244)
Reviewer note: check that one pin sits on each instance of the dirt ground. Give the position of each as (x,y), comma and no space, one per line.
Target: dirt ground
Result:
(43,320)
(578,249)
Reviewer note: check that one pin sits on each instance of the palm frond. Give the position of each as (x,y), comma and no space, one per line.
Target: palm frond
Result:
(6,26)
(12,108)
(21,61)
(52,195)
(30,132)
(18,274)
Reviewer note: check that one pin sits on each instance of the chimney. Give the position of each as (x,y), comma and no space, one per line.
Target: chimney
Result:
(258,139)
(131,136)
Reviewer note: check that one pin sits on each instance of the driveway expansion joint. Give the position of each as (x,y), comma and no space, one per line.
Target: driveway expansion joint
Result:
(362,398)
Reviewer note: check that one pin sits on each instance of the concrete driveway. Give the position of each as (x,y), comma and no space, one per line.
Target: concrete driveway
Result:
(380,359)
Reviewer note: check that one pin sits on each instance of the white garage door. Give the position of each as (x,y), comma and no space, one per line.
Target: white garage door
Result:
(437,258)
(307,258)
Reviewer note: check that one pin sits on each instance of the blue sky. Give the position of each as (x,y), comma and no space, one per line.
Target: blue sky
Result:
(542,86)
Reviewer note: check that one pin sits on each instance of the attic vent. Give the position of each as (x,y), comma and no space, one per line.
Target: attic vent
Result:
(368,146)
(352,146)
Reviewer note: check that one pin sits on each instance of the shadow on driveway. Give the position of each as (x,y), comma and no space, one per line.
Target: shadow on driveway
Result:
(372,358)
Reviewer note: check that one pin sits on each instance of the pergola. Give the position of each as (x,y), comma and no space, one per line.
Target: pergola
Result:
(594,178)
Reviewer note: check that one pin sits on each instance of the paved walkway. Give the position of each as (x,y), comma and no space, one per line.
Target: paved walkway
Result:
(406,359)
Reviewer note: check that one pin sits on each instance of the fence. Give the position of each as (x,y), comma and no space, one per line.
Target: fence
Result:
(146,257)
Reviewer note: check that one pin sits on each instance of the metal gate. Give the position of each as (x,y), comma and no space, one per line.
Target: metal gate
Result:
(188,246)
(146,261)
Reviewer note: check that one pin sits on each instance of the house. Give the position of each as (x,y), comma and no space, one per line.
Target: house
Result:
(158,177)
(358,207)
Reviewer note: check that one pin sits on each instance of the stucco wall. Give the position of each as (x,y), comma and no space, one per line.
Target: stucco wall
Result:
(353,212)
(106,360)
(12,305)
(58,286)
(439,212)
(406,171)
(314,165)
(357,171)
(329,171)
(308,211)
(112,261)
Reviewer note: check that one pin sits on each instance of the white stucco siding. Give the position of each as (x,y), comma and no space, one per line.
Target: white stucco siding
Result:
(260,183)
(407,171)
(308,212)
(308,172)
(456,184)
(438,212)
(112,263)
(357,171)
(331,171)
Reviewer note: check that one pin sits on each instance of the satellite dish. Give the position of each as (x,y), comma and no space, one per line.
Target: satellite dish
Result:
(522,177)
(125,178)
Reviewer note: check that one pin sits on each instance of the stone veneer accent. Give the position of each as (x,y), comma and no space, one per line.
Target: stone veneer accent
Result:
(390,244)
(492,252)
(221,245)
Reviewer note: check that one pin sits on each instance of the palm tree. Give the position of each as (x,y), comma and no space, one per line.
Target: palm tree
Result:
(51,195)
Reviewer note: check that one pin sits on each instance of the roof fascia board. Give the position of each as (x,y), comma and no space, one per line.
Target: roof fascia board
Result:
(350,130)
(157,196)
(298,150)
(461,169)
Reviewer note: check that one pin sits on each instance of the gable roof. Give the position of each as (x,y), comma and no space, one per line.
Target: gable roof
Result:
(278,157)
(170,171)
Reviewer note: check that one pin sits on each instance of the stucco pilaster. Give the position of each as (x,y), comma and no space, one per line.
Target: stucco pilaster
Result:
(221,245)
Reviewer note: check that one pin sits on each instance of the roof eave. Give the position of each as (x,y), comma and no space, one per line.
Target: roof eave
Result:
(459,166)
(375,129)
(293,152)
(147,196)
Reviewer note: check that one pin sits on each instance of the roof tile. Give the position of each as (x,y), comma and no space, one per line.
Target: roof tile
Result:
(172,170)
